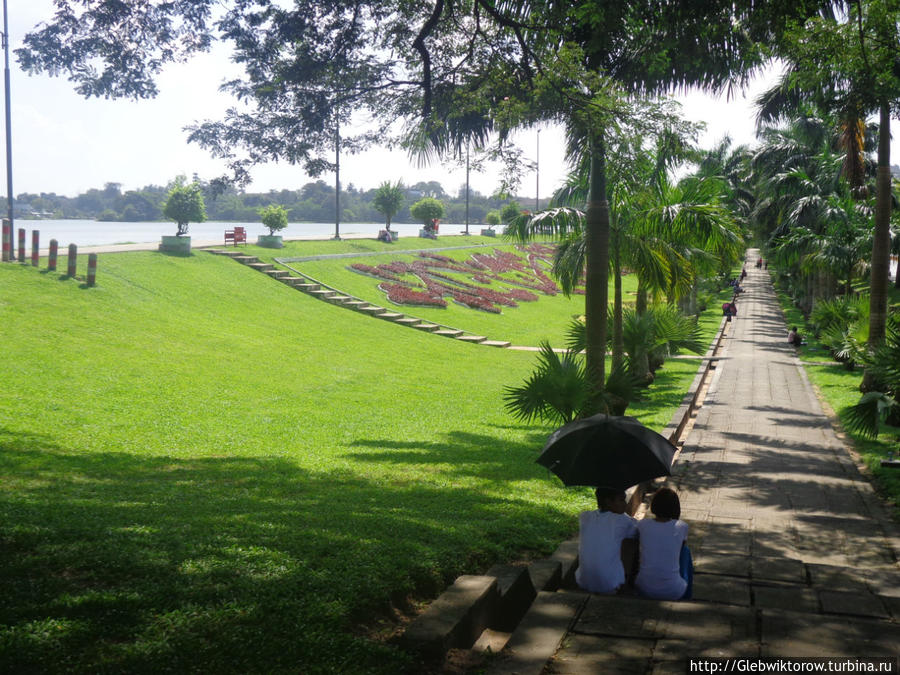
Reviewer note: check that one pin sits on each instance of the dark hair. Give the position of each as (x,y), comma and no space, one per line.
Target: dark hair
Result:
(605,495)
(794,328)
(666,504)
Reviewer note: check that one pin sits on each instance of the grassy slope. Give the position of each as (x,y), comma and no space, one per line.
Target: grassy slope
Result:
(202,468)
(527,324)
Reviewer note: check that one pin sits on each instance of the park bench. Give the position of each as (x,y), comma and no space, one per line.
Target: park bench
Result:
(237,236)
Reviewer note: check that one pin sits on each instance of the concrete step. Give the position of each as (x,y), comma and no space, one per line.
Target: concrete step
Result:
(430,327)
(390,316)
(261,266)
(307,287)
(455,619)
(472,338)
(355,304)
(408,321)
(245,259)
(539,634)
(278,274)
(495,343)
(323,293)
(371,309)
(293,281)
(339,299)
(448,332)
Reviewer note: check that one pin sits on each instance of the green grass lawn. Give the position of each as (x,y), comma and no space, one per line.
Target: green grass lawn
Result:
(203,469)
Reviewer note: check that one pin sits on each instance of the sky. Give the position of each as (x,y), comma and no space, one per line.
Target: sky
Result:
(66,144)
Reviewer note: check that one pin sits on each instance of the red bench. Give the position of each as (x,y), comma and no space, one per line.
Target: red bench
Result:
(237,236)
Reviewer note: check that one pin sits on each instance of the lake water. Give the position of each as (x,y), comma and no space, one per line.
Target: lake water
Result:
(93,233)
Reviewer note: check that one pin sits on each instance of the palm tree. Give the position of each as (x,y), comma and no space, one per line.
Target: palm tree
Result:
(666,233)
(883,401)
(797,172)
(847,64)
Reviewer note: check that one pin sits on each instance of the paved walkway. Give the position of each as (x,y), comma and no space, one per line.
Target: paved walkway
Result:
(794,554)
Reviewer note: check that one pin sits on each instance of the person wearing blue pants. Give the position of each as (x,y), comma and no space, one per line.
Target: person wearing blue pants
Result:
(665,571)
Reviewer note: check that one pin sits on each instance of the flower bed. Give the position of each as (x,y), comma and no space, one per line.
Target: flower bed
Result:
(404,295)
(521,275)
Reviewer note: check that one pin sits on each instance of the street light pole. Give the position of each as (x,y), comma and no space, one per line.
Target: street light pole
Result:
(537,175)
(9,185)
(337,180)
(467,187)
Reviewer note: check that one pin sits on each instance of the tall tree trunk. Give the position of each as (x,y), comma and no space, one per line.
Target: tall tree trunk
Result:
(881,247)
(618,350)
(640,301)
(596,288)
(809,293)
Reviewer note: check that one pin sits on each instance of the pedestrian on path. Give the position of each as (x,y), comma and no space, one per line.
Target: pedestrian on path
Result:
(729,309)
(606,546)
(666,571)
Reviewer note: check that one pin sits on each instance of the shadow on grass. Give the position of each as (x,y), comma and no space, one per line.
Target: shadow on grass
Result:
(121,562)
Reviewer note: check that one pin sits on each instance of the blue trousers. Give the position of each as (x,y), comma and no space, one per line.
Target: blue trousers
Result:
(686,569)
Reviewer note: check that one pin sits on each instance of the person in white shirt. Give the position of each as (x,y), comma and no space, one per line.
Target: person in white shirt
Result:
(606,538)
(665,571)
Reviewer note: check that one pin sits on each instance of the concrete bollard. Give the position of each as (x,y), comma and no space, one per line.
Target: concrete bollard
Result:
(73,259)
(54,252)
(35,254)
(92,270)
(21,244)
(7,239)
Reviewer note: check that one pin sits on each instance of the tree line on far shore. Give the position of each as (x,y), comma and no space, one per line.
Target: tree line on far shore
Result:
(314,202)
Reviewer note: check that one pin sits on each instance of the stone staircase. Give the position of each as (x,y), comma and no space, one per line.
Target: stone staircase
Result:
(528,620)
(335,297)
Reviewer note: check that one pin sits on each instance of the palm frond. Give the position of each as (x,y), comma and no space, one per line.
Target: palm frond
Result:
(865,417)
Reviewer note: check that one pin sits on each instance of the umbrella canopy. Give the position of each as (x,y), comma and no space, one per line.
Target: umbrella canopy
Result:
(606,451)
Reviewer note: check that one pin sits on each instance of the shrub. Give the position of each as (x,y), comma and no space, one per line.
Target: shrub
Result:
(274,217)
(510,211)
(184,204)
(427,209)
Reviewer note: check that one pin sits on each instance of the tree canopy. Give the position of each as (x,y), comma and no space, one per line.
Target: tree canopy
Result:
(185,205)
(388,199)
(448,72)
(274,217)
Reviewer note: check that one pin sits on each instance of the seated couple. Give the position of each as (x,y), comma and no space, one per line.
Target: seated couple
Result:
(607,548)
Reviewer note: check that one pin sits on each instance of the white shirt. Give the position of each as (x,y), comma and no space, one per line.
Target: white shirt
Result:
(658,575)
(599,550)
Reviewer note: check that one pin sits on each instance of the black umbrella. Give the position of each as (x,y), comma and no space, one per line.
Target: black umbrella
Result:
(606,451)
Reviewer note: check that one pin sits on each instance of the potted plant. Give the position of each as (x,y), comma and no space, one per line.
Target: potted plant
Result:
(429,212)
(184,204)
(388,201)
(492,218)
(274,217)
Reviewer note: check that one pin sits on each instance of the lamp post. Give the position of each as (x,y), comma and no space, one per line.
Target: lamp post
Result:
(9,185)
(537,175)
(467,187)
(337,181)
